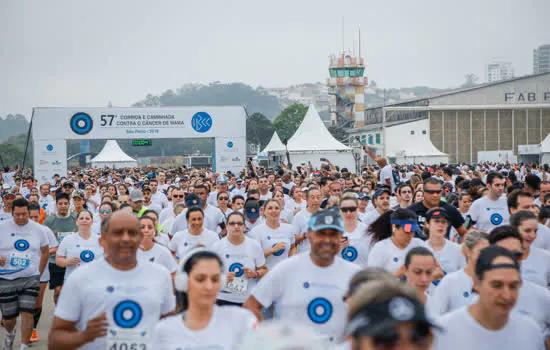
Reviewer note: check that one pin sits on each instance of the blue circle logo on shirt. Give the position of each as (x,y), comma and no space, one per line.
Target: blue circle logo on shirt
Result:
(496,219)
(21,245)
(396,259)
(466,294)
(237,268)
(349,253)
(201,122)
(319,310)
(127,314)
(280,252)
(87,255)
(81,123)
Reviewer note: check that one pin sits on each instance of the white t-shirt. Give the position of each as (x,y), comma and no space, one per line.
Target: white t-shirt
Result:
(226,330)
(300,223)
(453,292)
(133,300)
(8,178)
(360,243)
(183,241)
(21,245)
(52,243)
(387,173)
(450,258)
(533,301)
(536,268)
(268,238)
(370,217)
(387,255)
(166,214)
(235,257)
(542,241)
(212,218)
(488,214)
(264,197)
(461,331)
(309,294)
(154,206)
(5,216)
(161,199)
(74,246)
(159,255)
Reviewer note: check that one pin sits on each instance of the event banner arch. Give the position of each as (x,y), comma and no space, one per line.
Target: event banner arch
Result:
(52,127)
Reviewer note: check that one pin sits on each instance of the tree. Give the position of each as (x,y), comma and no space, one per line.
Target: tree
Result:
(289,120)
(258,129)
(470,80)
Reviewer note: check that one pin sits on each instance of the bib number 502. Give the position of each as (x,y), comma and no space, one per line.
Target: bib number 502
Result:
(127,346)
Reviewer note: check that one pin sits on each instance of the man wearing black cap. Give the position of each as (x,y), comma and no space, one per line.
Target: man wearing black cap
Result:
(432,199)
(381,201)
(308,287)
(489,322)
(252,214)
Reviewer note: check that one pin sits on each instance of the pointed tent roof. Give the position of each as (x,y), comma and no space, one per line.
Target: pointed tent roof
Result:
(313,135)
(275,145)
(112,153)
(545,144)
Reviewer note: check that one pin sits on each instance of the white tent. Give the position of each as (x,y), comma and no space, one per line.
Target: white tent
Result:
(113,157)
(312,141)
(545,150)
(410,143)
(274,145)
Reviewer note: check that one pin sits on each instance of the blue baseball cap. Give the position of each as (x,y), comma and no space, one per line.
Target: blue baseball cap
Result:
(326,218)
(252,209)
(192,200)
(381,190)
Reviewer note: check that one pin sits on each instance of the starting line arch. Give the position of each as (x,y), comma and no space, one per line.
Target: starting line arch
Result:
(52,127)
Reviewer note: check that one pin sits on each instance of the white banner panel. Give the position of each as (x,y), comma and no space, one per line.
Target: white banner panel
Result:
(136,123)
(230,154)
(50,157)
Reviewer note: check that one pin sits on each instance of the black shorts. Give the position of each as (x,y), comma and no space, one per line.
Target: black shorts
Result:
(220,302)
(57,276)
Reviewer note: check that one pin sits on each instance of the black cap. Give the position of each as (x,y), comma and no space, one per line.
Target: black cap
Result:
(381,190)
(192,200)
(326,218)
(375,319)
(437,213)
(489,254)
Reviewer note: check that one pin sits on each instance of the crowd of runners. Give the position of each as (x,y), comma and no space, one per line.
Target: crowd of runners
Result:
(453,256)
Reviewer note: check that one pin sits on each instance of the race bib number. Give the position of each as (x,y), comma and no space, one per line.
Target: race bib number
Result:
(20,260)
(127,340)
(239,285)
(62,235)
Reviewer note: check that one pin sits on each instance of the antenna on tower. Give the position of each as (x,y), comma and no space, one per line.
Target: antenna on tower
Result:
(359,42)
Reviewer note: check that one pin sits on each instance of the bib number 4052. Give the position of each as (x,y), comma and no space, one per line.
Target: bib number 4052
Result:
(127,346)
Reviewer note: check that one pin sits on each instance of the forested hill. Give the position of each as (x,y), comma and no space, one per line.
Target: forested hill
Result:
(12,125)
(217,94)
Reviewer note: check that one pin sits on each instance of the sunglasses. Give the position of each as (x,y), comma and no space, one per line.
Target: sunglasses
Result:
(233,223)
(223,198)
(178,196)
(432,191)
(105,211)
(348,209)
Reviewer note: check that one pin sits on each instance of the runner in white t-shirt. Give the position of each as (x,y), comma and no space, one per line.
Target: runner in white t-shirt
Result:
(243,260)
(202,324)
(447,254)
(309,288)
(492,210)
(80,248)
(151,251)
(389,253)
(356,242)
(456,289)
(196,235)
(535,264)
(420,271)
(115,302)
(301,220)
(490,321)
(275,238)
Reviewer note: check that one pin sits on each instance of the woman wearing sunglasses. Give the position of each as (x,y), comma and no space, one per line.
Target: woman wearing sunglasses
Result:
(356,241)
(223,203)
(202,324)
(106,209)
(243,259)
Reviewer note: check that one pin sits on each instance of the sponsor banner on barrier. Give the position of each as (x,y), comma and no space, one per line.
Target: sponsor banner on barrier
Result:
(230,154)
(50,157)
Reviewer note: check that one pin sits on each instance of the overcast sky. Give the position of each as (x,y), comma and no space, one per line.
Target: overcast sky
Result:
(70,53)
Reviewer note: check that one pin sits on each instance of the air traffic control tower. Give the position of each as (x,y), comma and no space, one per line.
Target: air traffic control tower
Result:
(346,87)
